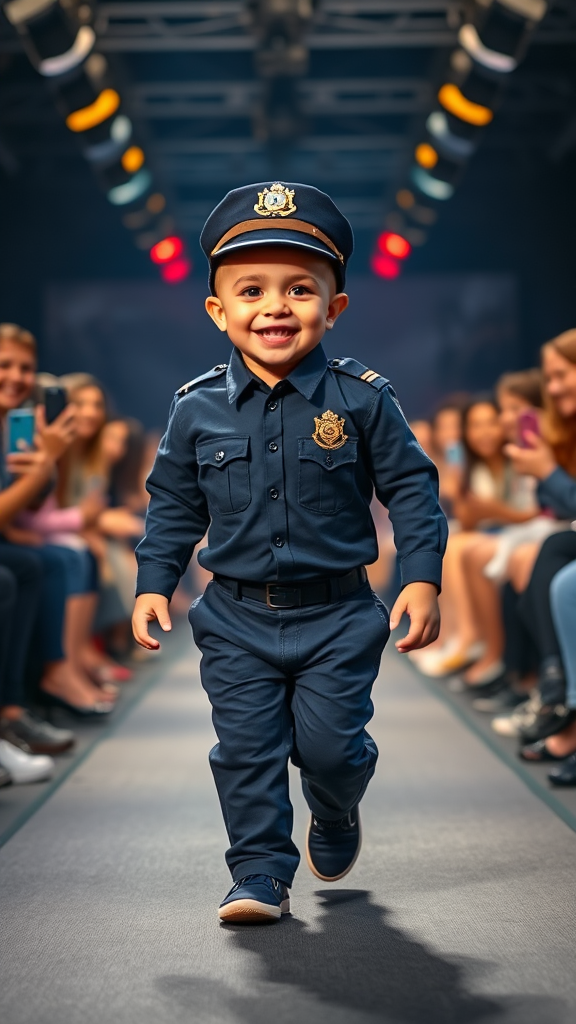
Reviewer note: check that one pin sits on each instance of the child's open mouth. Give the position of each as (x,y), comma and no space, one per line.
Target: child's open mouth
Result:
(276,335)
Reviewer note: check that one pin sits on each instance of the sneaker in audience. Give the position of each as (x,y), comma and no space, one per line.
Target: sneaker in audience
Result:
(505,700)
(448,659)
(40,736)
(524,715)
(25,767)
(5,777)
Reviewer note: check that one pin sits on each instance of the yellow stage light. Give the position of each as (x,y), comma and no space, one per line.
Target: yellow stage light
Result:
(455,103)
(133,159)
(426,155)
(405,199)
(103,107)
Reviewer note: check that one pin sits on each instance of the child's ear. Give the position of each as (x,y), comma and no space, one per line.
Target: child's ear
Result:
(337,305)
(215,309)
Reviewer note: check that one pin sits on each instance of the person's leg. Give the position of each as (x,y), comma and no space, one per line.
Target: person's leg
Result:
(339,650)
(487,609)
(26,570)
(242,673)
(8,598)
(563,604)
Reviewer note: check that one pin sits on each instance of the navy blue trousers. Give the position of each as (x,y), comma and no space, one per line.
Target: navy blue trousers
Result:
(287,684)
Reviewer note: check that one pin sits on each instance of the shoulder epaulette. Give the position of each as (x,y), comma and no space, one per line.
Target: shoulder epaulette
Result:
(216,371)
(355,369)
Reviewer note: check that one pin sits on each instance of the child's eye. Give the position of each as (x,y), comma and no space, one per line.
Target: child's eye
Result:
(252,293)
(300,289)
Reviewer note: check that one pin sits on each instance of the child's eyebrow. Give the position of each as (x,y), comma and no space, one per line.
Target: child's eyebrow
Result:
(260,278)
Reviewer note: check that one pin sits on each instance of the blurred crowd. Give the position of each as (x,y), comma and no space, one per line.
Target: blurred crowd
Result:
(507,466)
(72,506)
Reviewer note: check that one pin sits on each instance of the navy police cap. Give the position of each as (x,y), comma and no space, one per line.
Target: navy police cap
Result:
(274,213)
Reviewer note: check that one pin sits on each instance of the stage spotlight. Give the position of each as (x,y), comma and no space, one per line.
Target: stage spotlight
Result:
(453,100)
(133,159)
(167,249)
(55,41)
(95,113)
(405,198)
(432,187)
(110,147)
(392,244)
(426,155)
(156,202)
(498,36)
(454,145)
(176,271)
(131,190)
(385,266)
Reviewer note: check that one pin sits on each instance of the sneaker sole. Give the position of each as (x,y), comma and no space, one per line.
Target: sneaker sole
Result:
(252,911)
(333,878)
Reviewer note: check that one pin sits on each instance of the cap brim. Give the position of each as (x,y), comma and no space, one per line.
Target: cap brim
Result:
(289,239)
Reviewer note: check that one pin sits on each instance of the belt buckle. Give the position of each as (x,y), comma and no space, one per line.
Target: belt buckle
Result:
(278,592)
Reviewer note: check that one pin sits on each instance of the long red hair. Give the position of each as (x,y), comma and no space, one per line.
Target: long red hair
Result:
(560,431)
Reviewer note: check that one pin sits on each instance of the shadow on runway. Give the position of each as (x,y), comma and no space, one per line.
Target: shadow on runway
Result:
(354,967)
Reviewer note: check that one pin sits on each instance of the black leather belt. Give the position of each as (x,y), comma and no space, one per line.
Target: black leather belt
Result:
(295,595)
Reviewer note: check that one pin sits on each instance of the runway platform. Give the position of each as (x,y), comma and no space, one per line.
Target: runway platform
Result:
(461,908)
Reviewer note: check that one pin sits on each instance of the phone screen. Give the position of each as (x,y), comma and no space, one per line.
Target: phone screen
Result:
(528,423)
(21,429)
(55,400)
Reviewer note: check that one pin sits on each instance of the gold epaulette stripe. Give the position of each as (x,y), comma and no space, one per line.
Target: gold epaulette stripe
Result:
(369,376)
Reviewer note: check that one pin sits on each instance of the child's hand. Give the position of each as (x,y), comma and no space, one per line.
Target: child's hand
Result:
(149,607)
(420,602)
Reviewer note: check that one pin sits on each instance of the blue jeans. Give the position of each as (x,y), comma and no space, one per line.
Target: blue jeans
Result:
(290,684)
(563,601)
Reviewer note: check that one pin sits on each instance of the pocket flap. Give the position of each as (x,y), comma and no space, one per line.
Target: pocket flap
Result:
(219,451)
(329,458)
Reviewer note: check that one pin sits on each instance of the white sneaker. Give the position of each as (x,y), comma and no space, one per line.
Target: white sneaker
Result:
(523,716)
(25,767)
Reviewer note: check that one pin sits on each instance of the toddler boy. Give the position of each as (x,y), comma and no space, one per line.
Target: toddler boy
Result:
(278,454)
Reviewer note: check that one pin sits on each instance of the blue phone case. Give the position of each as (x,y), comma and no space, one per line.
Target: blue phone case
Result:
(21,429)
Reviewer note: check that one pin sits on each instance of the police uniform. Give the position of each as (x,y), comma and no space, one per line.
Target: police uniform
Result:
(290,632)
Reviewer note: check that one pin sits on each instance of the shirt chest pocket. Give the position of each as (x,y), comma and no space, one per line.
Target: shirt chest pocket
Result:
(326,478)
(224,473)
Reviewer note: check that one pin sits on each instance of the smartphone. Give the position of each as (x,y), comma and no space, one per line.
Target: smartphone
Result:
(21,430)
(55,400)
(528,423)
(454,454)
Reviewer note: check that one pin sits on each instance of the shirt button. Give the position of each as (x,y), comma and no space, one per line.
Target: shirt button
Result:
(273,447)
(329,460)
(274,493)
(279,542)
(272,406)
(219,456)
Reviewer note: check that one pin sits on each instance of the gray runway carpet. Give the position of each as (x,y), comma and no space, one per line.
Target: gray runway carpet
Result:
(461,908)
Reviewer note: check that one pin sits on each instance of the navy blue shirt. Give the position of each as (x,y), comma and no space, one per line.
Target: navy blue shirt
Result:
(283,478)
(558,492)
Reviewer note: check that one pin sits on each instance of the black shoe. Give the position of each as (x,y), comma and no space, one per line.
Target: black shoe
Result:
(537,752)
(565,773)
(40,737)
(505,700)
(98,710)
(5,777)
(332,847)
(549,720)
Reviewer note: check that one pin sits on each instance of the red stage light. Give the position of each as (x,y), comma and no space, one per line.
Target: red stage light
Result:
(166,250)
(385,266)
(177,270)
(394,245)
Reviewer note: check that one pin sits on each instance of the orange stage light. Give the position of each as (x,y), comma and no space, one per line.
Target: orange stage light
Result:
(133,159)
(391,244)
(426,155)
(166,250)
(88,117)
(455,103)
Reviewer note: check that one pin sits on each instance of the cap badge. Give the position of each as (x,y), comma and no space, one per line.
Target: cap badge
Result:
(329,431)
(277,201)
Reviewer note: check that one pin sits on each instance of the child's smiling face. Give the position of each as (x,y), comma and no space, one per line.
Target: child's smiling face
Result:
(275,305)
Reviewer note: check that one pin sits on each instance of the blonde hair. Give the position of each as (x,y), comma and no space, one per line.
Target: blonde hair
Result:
(75,466)
(20,336)
(560,431)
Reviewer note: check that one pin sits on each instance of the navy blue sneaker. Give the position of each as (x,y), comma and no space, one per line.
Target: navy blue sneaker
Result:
(332,847)
(255,899)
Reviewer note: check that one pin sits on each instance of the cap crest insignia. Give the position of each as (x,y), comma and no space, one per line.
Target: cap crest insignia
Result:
(329,431)
(276,201)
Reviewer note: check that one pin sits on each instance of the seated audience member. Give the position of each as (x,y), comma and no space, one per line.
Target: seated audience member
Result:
(488,499)
(447,450)
(562,745)
(551,458)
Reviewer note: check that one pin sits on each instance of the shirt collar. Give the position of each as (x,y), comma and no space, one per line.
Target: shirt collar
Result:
(305,377)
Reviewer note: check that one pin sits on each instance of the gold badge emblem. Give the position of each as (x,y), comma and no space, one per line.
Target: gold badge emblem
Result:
(329,431)
(276,201)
